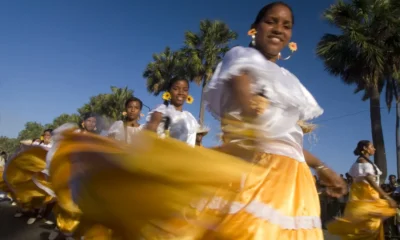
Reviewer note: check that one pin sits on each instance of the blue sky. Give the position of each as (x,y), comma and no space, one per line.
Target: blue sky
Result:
(54,55)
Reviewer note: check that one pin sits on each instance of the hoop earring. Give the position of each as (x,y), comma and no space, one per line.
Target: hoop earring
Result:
(363,152)
(293,48)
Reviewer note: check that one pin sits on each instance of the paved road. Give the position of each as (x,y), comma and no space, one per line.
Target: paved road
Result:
(16,228)
(12,228)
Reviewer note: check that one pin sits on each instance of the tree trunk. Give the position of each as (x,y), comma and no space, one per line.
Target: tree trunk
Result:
(202,109)
(377,133)
(398,136)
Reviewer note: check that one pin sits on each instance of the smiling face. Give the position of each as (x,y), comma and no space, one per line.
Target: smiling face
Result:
(274,31)
(179,92)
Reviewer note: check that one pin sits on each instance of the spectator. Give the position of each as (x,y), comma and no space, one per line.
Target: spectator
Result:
(3,158)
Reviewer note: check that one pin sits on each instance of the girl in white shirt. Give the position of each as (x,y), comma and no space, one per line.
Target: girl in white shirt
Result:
(124,129)
(368,205)
(170,116)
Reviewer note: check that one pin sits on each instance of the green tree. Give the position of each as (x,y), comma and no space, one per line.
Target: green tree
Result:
(32,130)
(204,50)
(358,54)
(109,105)
(62,119)
(9,145)
(165,66)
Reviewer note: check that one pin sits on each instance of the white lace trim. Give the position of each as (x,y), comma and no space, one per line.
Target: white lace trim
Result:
(262,211)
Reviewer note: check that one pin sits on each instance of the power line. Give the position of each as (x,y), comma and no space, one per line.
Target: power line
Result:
(345,115)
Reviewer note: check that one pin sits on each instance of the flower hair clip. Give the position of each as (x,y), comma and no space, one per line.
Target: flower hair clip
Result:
(189,99)
(167,97)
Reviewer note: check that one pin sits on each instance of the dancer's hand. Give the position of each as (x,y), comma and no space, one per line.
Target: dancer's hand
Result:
(392,202)
(335,185)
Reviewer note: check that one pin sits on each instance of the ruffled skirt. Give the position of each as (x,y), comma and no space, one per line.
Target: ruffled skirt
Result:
(19,175)
(164,189)
(363,215)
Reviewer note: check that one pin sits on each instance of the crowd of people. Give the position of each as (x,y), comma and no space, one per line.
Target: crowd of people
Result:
(157,181)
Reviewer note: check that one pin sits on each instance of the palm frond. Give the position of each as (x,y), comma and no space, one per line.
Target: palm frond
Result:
(166,66)
(205,49)
(360,54)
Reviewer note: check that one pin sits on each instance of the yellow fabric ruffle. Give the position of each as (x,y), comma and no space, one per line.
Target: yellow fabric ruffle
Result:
(128,187)
(19,174)
(279,203)
(3,185)
(66,222)
(152,188)
(363,215)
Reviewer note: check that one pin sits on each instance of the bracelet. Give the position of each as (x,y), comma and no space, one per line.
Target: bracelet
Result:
(320,168)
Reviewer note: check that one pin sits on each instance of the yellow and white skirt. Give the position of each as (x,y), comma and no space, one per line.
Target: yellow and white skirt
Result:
(363,215)
(19,176)
(148,188)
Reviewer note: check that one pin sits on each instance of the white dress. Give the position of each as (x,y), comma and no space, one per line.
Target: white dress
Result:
(118,130)
(286,176)
(183,125)
(361,170)
(289,101)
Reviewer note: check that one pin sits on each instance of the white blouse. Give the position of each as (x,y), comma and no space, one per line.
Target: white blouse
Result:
(360,170)
(289,101)
(118,130)
(44,145)
(183,125)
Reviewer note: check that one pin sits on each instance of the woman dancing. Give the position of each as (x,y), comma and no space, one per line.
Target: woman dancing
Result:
(20,174)
(270,129)
(122,130)
(368,204)
(89,123)
(171,117)
(266,136)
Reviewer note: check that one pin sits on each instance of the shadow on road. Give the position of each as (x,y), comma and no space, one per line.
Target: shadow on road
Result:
(12,228)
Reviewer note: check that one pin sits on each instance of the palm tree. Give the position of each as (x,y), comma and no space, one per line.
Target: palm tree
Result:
(359,54)
(204,50)
(392,87)
(392,92)
(165,66)
(108,105)
(62,119)
(115,104)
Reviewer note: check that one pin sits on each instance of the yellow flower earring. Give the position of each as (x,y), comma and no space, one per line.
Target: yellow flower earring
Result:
(189,100)
(141,115)
(292,47)
(252,32)
(41,138)
(166,96)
